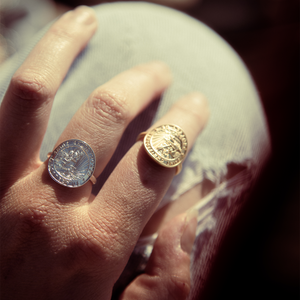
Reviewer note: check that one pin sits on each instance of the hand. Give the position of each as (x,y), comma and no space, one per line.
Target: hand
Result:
(62,243)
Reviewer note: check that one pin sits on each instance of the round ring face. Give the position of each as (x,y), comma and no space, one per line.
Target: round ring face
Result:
(167,145)
(72,163)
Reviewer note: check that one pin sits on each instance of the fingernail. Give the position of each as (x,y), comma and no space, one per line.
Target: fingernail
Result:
(84,14)
(189,232)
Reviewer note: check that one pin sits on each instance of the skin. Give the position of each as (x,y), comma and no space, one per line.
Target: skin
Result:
(61,243)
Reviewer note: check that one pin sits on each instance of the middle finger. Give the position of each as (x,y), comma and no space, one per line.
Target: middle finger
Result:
(103,117)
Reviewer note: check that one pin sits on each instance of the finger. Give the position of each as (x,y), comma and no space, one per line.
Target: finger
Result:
(102,119)
(167,275)
(191,114)
(25,109)
(134,189)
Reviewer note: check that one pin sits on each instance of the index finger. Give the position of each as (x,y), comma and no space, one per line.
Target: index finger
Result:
(25,109)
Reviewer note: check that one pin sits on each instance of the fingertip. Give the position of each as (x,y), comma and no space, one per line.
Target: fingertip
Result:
(161,66)
(180,230)
(189,232)
(199,99)
(161,70)
(82,15)
(199,103)
(85,15)
(170,237)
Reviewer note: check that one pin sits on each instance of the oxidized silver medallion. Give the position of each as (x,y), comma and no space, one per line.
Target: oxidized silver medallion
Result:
(72,163)
(167,145)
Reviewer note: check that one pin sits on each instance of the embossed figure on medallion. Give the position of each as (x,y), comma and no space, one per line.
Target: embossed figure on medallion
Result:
(167,145)
(72,163)
(69,163)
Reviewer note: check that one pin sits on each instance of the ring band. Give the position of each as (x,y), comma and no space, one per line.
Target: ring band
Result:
(167,145)
(72,164)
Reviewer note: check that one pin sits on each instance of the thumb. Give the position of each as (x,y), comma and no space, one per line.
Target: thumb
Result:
(167,275)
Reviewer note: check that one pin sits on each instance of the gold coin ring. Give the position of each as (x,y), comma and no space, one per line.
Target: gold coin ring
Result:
(167,145)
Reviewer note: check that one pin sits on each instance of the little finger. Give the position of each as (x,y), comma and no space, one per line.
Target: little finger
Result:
(167,275)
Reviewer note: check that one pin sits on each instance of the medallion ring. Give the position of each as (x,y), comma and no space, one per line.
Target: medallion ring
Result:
(166,144)
(72,163)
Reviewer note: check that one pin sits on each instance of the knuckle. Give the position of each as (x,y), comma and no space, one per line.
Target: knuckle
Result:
(30,222)
(30,86)
(109,106)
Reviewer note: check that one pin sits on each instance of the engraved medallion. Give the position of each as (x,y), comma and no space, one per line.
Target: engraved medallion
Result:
(167,145)
(72,163)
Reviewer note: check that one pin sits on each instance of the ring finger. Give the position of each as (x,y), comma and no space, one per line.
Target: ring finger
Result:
(136,186)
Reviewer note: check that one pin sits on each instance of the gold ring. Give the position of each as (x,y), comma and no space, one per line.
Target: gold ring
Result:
(167,145)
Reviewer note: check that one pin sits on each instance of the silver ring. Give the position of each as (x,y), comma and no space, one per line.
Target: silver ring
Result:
(72,163)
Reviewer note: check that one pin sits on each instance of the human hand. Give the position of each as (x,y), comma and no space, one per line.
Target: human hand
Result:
(62,243)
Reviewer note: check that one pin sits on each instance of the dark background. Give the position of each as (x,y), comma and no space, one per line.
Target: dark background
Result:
(259,258)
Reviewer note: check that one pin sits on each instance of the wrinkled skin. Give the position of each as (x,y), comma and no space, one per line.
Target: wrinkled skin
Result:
(62,243)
